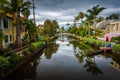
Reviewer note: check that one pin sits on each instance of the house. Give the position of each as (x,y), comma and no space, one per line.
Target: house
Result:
(9,30)
(114,27)
(104,25)
(6,26)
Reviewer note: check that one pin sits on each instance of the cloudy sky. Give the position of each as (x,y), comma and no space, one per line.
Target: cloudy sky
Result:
(64,11)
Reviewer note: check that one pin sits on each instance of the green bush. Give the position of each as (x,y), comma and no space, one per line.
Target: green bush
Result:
(4,63)
(32,49)
(25,53)
(5,52)
(14,58)
(116,39)
(116,47)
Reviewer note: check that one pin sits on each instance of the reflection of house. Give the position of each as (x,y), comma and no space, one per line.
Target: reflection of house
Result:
(116,61)
(8,29)
(115,65)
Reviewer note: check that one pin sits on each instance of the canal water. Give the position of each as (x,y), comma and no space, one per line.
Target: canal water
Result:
(66,59)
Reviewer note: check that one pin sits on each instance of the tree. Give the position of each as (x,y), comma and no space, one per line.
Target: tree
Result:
(48,28)
(30,30)
(99,19)
(89,22)
(81,15)
(1,38)
(113,16)
(96,10)
(55,26)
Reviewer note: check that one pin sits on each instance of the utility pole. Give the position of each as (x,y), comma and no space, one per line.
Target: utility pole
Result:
(33,11)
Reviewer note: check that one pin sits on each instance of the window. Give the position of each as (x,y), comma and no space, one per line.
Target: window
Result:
(117,27)
(5,23)
(10,38)
(6,38)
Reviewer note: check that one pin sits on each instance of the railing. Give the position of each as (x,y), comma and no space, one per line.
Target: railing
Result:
(68,34)
(17,50)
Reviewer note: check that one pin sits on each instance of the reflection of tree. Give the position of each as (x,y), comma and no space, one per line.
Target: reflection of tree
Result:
(116,58)
(75,45)
(50,49)
(91,67)
(83,47)
(26,71)
(80,57)
(80,51)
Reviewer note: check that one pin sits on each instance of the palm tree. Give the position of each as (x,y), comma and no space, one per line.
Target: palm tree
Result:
(113,16)
(3,9)
(81,15)
(96,10)
(26,13)
(89,22)
(99,19)
(30,30)
(15,7)
(76,19)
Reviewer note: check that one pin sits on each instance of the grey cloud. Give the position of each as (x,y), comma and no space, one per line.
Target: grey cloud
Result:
(65,10)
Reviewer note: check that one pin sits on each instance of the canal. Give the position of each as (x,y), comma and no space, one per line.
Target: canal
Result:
(63,59)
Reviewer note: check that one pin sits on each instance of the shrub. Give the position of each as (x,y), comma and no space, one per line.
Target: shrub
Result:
(25,53)
(116,39)
(32,48)
(14,58)
(116,47)
(5,52)
(4,63)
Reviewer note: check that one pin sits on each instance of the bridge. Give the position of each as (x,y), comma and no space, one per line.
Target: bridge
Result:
(65,34)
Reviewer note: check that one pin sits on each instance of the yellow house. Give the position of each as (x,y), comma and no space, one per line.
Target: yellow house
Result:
(6,26)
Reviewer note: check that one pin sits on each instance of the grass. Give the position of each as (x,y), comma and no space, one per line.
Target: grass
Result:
(100,43)
(37,44)
(94,41)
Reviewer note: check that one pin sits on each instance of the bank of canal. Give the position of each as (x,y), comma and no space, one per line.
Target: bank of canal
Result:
(66,60)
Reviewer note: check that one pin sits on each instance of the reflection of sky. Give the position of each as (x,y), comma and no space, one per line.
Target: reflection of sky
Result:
(59,42)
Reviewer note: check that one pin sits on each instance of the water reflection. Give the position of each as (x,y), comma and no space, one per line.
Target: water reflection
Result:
(80,51)
(27,71)
(116,61)
(69,63)
(50,49)
(91,67)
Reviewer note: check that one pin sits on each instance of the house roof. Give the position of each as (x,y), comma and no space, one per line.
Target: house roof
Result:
(104,24)
(115,22)
(10,15)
